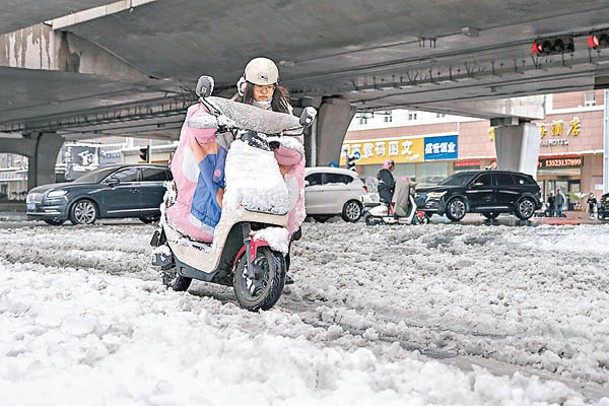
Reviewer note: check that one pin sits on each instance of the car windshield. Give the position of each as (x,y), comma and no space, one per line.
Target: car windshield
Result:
(95,176)
(458,179)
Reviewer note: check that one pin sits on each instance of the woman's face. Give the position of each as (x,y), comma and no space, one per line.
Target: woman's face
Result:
(263,93)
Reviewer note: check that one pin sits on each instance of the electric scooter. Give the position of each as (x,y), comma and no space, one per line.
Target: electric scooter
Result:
(250,248)
(402,211)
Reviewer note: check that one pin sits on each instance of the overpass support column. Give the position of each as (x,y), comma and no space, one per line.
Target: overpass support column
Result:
(333,119)
(42,156)
(517,145)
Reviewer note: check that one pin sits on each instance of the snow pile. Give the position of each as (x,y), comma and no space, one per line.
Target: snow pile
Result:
(277,237)
(248,117)
(254,181)
(438,314)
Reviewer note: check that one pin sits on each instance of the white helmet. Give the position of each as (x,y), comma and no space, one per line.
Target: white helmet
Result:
(261,71)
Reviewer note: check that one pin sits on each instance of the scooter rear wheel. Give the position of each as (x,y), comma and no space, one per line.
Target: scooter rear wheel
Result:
(264,290)
(372,221)
(172,280)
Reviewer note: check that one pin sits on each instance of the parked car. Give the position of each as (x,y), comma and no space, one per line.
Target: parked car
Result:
(333,191)
(602,210)
(108,192)
(486,192)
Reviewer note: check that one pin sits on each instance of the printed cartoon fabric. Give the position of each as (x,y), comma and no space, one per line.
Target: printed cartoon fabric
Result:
(198,171)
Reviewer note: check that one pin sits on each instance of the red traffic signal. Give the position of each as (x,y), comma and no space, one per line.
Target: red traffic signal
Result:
(553,45)
(537,47)
(599,39)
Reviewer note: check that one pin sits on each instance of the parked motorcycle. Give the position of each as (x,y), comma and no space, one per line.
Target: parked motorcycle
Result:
(250,249)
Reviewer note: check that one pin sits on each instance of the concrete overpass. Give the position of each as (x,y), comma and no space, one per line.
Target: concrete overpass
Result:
(78,69)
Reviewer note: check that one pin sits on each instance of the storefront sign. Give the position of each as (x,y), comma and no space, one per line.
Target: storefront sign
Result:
(374,152)
(550,132)
(80,159)
(559,162)
(467,164)
(110,157)
(403,150)
(439,148)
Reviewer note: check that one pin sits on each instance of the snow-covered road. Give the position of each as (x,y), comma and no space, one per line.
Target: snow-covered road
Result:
(437,314)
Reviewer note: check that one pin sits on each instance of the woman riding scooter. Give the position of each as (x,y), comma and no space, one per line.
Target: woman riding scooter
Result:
(259,87)
(252,218)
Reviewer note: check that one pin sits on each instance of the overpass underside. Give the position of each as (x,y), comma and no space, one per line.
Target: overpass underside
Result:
(128,68)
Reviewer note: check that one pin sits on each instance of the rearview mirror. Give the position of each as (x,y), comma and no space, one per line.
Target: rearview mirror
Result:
(307,116)
(113,181)
(205,86)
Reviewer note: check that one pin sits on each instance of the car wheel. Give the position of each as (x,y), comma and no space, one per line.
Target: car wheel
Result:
(456,209)
(491,215)
(321,219)
(54,222)
(525,209)
(83,212)
(352,211)
(150,219)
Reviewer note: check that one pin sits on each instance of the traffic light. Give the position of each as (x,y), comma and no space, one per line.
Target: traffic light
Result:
(598,39)
(351,162)
(144,154)
(553,45)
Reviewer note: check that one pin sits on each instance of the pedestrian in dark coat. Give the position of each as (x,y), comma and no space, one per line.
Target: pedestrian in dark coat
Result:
(386,181)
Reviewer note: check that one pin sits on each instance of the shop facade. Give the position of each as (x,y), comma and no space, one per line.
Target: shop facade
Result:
(570,151)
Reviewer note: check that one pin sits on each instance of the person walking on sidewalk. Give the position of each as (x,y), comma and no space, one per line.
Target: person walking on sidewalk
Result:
(591,204)
(559,203)
(550,204)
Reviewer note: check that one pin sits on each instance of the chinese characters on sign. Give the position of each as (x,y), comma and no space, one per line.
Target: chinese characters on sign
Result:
(404,150)
(556,129)
(437,148)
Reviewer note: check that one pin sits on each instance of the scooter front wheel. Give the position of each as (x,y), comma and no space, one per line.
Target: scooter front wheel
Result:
(262,290)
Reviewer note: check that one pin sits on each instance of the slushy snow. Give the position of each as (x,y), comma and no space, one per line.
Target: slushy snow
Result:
(441,314)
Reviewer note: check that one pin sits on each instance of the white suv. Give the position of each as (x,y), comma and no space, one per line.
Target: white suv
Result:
(331,191)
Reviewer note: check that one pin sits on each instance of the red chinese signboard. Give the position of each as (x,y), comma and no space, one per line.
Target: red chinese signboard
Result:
(560,162)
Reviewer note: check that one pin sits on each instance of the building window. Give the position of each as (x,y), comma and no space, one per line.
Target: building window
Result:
(440,115)
(590,99)
(412,115)
(363,120)
(388,117)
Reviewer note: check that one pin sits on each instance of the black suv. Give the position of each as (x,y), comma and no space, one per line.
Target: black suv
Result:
(486,192)
(603,207)
(108,192)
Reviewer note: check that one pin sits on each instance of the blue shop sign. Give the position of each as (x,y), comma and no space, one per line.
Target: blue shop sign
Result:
(437,148)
